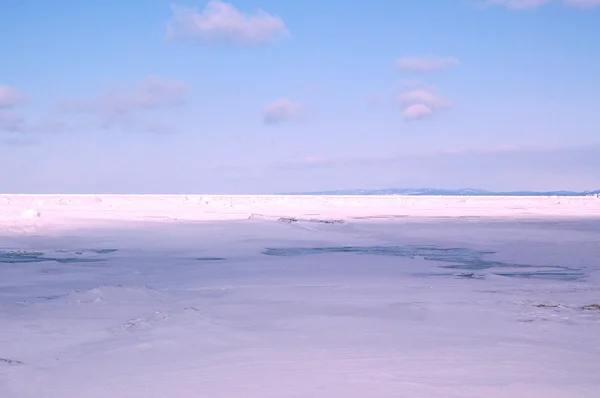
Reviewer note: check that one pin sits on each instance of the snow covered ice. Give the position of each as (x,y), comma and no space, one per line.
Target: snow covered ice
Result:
(275,296)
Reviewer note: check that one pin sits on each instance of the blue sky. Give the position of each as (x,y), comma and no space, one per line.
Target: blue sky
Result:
(265,96)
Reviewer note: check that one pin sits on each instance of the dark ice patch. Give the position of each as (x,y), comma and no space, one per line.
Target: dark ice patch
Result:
(469,275)
(13,257)
(563,275)
(104,251)
(12,362)
(52,296)
(544,305)
(459,258)
(18,257)
(209,259)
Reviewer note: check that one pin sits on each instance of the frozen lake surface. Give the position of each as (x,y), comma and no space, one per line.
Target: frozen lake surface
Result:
(246,296)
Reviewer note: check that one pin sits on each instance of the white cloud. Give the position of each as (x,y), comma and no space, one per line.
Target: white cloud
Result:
(417,111)
(421,100)
(426,64)
(118,106)
(221,22)
(281,110)
(426,97)
(421,103)
(10,96)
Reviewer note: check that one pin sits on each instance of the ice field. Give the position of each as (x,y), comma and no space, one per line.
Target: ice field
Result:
(299,296)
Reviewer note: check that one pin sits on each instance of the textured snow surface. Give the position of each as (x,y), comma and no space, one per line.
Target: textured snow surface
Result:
(239,296)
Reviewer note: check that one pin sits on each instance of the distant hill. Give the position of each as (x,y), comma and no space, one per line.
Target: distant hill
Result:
(446,192)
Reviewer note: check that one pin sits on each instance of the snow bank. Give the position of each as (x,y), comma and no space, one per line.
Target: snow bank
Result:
(63,209)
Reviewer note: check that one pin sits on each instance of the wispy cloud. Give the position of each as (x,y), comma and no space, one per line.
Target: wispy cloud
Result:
(498,149)
(222,23)
(421,103)
(281,110)
(313,88)
(414,83)
(11,121)
(309,162)
(504,167)
(529,4)
(426,64)
(17,142)
(315,160)
(378,100)
(583,3)
(10,97)
(516,4)
(117,107)
(152,93)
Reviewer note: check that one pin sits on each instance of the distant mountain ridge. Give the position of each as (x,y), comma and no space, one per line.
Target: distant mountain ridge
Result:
(447,192)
